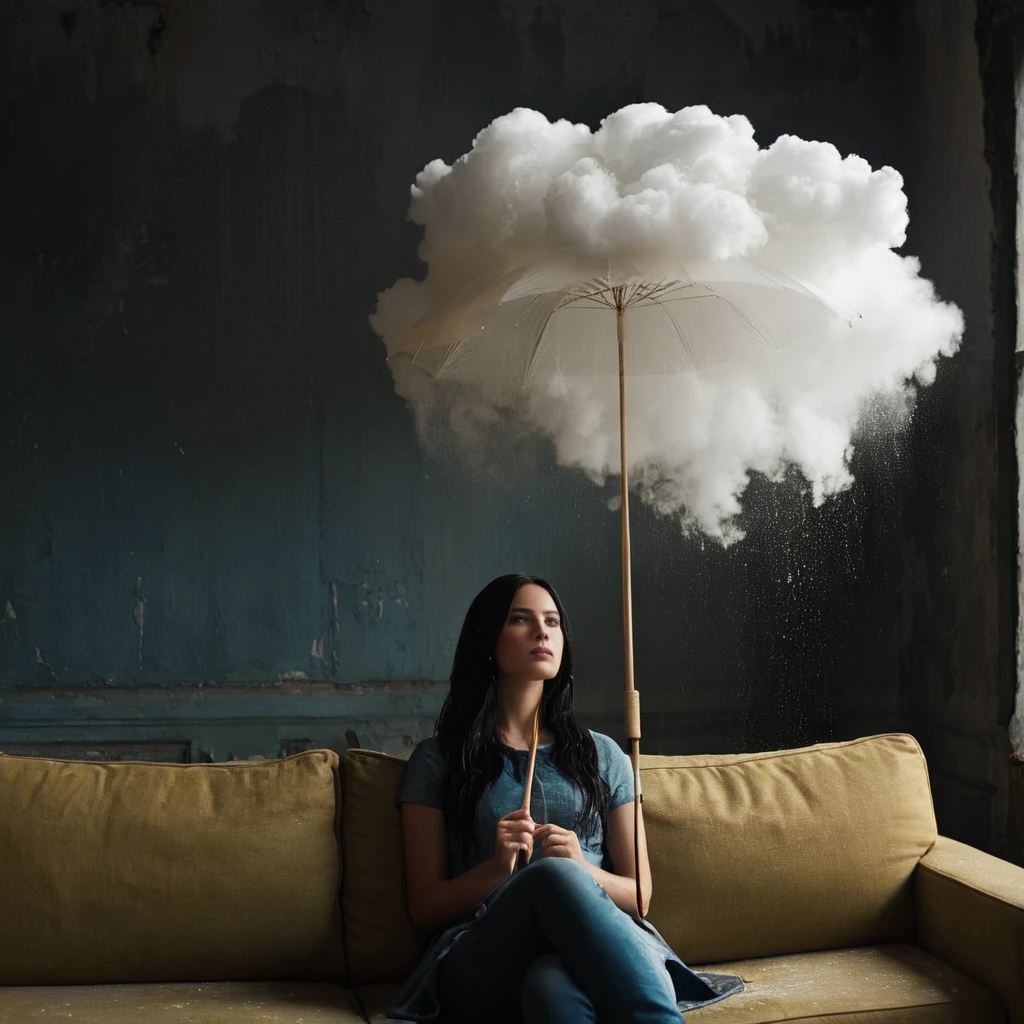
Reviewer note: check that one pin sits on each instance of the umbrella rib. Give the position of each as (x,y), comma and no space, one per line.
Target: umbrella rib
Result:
(687,347)
(687,298)
(448,353)
(656,289)
(713,294)
(419,347)
(658,292)
(597,297)
(667,286)
(529,306)
(538,342)
(743,316)
(650,293)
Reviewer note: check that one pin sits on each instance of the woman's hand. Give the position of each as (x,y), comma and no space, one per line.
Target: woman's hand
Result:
(513,835)
(558,842)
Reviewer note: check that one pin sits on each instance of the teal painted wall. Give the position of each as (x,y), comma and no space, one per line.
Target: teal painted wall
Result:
(219,536)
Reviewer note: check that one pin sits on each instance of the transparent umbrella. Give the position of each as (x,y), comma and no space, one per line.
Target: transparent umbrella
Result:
(580,316)
(562,317)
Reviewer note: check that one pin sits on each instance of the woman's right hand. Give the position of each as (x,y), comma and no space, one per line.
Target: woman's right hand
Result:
(514,834)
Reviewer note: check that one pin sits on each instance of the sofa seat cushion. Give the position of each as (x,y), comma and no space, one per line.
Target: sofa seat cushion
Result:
(867,985)
(898,984)
(211,1002)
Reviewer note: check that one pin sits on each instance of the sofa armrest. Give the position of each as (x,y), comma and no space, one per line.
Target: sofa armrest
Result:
(970,913)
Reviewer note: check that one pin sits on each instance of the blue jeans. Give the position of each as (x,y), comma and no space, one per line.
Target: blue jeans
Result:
(554,948)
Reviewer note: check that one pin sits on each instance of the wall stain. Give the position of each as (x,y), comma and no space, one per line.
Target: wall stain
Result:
(40,660)
(139,614)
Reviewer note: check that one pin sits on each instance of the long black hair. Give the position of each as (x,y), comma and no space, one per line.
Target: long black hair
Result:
(466,730)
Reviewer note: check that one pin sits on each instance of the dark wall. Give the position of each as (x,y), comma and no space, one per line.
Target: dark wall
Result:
(959,533)
(218,534)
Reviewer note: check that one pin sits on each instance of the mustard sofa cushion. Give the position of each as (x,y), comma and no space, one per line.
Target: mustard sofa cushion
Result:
(899,984)
(381,942)
(751,854)
(132,871)
(783,852)
(182,1002)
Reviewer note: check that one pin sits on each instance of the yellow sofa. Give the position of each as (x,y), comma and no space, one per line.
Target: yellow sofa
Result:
(272,892)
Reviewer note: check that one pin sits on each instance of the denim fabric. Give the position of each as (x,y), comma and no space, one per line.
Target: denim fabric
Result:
(550,945)
(555,798)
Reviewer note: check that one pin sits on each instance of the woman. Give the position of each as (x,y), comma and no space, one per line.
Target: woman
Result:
(534,912)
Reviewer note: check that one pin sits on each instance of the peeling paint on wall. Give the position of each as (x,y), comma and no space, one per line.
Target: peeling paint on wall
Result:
(139,614)
(334,629)
(40,660)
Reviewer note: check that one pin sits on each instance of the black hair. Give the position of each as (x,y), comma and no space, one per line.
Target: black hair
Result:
(466,730)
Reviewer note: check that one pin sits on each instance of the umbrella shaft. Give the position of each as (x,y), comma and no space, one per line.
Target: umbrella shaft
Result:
(632,698)
(627,586)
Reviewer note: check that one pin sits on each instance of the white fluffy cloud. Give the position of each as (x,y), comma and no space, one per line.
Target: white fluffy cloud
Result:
(692,186)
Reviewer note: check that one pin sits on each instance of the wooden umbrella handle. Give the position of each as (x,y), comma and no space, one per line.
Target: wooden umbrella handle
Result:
(529,778)
(533,760)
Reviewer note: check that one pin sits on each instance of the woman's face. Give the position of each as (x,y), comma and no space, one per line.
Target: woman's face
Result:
(530,643)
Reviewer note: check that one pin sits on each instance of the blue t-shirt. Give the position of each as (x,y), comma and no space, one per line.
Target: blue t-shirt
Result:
(555,799)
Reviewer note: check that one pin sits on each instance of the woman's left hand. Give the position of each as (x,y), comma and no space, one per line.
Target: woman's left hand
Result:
(557,842)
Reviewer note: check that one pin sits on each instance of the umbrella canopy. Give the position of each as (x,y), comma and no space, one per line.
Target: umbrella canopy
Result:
(567,317)
(533,324)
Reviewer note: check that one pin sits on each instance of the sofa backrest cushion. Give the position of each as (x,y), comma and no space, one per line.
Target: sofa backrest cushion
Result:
(381,943)
(788,851)
(135,872)
(751,854)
